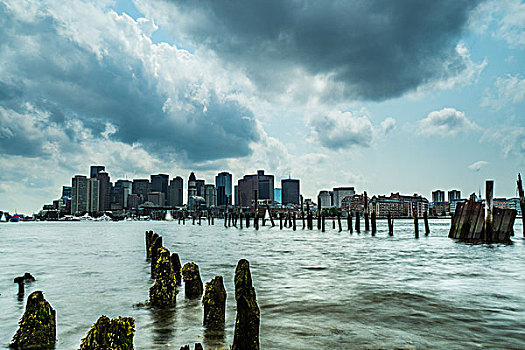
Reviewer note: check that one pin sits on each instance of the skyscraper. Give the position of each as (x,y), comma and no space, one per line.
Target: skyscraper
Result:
(175,192)
(66,191)
(223,184)
(159,183)
(95,169)
(454,195)
(438,196)
(192,188)
(79,195)
(290,191)
(141,187)
(199,186)
(123,189)
(93,195)
(104,190)
(249,183)
(210,195)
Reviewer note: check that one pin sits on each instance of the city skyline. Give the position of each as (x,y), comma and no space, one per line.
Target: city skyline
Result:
(429,97)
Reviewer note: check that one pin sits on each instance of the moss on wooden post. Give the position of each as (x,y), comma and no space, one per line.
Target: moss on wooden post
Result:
(192,280)
(37,327)
(108,334)
(214,302)
(164,292)
(177,267)
(246,335)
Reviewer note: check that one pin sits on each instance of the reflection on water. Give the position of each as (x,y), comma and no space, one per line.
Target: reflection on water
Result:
(331,290)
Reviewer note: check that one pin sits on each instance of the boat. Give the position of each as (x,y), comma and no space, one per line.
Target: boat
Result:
(168,216)
(104,218)
(86,217)
(15,218)
(3,218)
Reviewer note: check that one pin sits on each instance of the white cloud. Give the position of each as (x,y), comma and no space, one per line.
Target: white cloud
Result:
(388,125)
(510,138)
(445,122)
(338,130)
(510,89)
(476,166)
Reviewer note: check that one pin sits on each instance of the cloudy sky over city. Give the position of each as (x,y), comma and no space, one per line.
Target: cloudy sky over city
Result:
(386,96)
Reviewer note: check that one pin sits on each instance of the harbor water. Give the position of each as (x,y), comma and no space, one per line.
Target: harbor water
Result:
(331,290)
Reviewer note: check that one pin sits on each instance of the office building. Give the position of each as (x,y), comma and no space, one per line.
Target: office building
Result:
(290,191)
(277,195)
(104,190)
(199,187)
(79,195)
(175,192)
(264,184)
(339,193)
(95,169)
(123,189)
(93,195)
(223,184)
(141,187)
(210,196)
(133,201)
(324,199)
(159,183)
(438,196)
(454,195)
(192,187)
(66,191)
(157,199)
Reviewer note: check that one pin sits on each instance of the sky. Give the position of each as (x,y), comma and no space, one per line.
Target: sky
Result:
(386,96)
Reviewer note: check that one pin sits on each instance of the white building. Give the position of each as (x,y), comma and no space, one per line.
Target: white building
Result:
(341,192)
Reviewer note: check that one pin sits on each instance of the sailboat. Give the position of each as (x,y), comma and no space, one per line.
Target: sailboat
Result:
(168,216)
(3,218)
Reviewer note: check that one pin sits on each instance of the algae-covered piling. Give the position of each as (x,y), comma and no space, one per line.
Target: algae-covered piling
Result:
(164,292)
(214,302)
(192,280)
(108,334)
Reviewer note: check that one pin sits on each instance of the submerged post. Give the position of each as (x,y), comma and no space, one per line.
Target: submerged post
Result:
(416,224)
(149,236)
(357,222)
(293,222)
(256,219)
(246,336)
(214,302)
(489,193)
(280,221)
(117,333)
(318,212)
(322,223)
(155,246)
(176,265)
(373,222)
(339,222)
(349,221)
(163,293)
(425,219)
(390,225)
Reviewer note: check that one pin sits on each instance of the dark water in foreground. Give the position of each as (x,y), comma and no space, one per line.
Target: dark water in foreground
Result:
(316,290)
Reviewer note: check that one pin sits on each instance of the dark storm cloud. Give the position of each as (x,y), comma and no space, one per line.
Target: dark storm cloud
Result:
(378,49)
(46,72)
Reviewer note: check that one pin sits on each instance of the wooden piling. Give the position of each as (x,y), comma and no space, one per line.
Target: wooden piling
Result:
(339,222)
(373,222)
(155,246)
(318,212)
(365,212)
(294,226)
(416,224)
(192,280)
(240,218)
(280,221)
(357,222)
(302,217)
(149,235)
(390,225)
(425,219)
(264,217)
(522,202)
(164,292)
(489,204)
(270,215)
(256,219)
(248,220)
(322,222)
(214,302)
(333,223)
(349,222)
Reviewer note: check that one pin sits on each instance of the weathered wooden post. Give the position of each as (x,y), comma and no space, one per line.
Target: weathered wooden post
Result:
(339,221)
(349,222)
(37,328)
(214,302)
(333,223)
(280,221)
(246,336)
(176,265)
(390,225)
(270,215)
(308,217)
(489,204)
(357,221)
(193,218)
(264,217)
(164,292)
(293,222)
(319,212)
(240,218)
(416,224)
(149,235)
(425,219)
(373,222)
(212,220)
(155,246)
(21,285)
(248,220)
(522,202)
(322,223)
(256,219)
(198,346)
(117,333)
(183,218)
(192,280)
(365,212)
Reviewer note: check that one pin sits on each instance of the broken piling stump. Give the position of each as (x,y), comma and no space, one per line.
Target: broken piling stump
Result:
(427,227)
(192,280)
(149,236)
(349,222)
(246,336)
(198,346)
(214,302)
(522,202)
(163,293)
(155,246)
(37,327)
(108,334)
(357,223)
(373,219)
(416,224)
(176,265)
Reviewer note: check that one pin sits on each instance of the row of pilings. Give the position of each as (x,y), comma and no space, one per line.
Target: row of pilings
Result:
(290,219)
(168,276)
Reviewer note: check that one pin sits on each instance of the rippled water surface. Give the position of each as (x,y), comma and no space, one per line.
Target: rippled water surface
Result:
(316,290)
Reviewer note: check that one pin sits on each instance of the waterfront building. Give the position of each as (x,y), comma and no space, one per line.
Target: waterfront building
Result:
(104,190)
(324,199)
(159,183)
(95,169)
(290,191)
(264,184)
(454,195)
(223,184)
(123,189)
(175,192)
(439,208)
(199,186)
(93,196)
(79,195)
(141,187)
(411,204)
(354,203)
(236,195)
(384,205)
(133,201)
(157,198)
(277,195)
(66,191)
(438,196)
(341,192)
(210,196)
(454,203)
